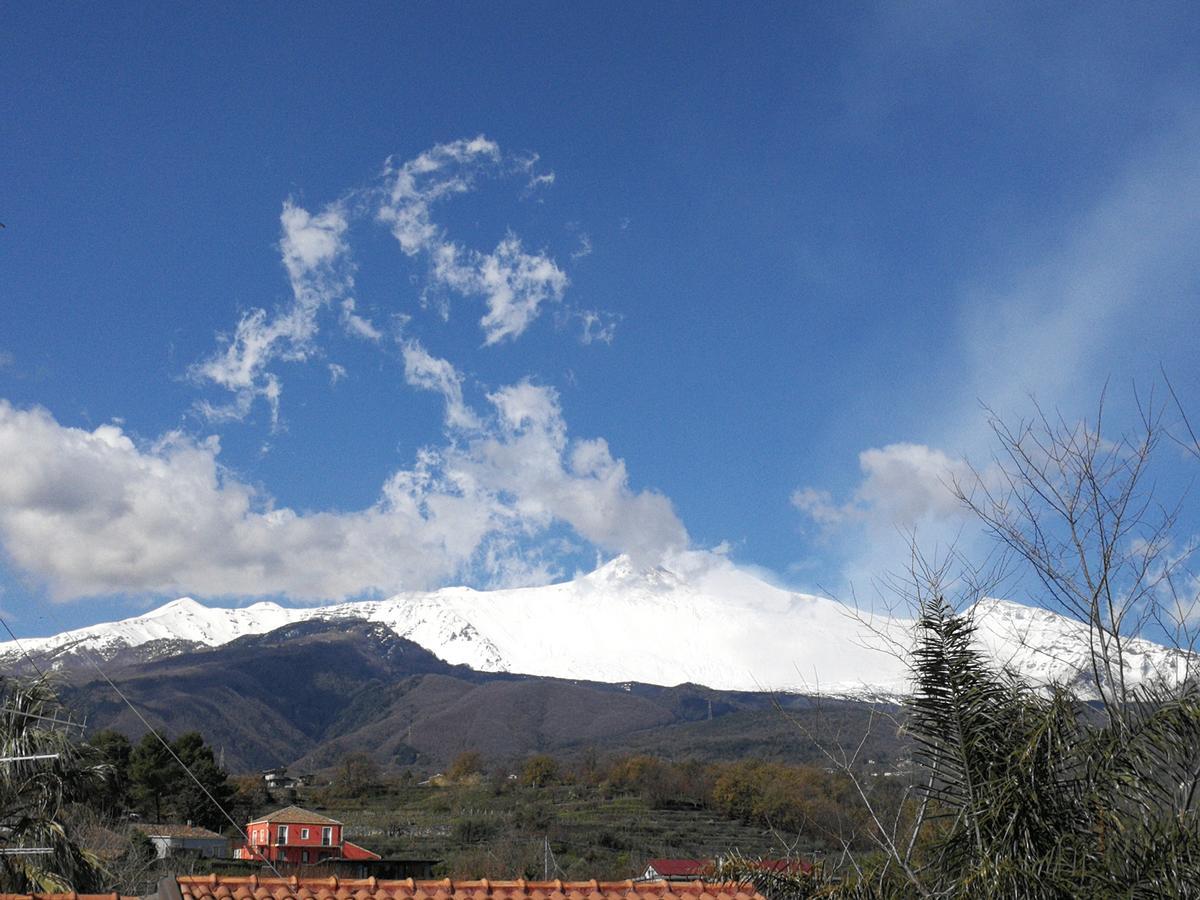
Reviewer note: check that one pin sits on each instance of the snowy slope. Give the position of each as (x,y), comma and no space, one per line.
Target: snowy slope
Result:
(704,621)
(719,626)
(183,620)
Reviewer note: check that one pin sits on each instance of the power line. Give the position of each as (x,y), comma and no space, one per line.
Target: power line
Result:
(175,756)
(21,647)
(86,652)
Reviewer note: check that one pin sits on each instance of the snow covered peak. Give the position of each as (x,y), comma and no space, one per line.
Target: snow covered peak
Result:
(698,619)
(183,620)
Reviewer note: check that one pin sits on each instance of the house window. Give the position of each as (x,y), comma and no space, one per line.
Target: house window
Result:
(327,836)
(281,835)
(304,834)
(304,854)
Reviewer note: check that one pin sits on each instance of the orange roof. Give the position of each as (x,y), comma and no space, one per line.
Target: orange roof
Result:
(218,887)
(351,850)
(294,815)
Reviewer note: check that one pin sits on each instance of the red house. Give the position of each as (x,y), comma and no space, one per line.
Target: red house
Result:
(298,837)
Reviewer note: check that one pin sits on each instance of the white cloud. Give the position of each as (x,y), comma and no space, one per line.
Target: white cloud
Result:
(514,284)
(585,247)
(1105,299)
(906,500)
(598,326)
(903,485)
(336,373)
(427,372)
(550,478)
(1123,271)
(357,326)
(94,512)
(413,187)
(528,164)
(314,251)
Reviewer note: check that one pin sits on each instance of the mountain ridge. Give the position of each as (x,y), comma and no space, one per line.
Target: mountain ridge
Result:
(703,621)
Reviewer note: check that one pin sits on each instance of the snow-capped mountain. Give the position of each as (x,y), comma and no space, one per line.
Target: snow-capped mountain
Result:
(704,621)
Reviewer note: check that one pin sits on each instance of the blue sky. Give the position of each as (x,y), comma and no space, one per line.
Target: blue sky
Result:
(310,302)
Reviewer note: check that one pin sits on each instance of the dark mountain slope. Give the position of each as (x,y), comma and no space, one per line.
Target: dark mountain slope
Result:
(309,693)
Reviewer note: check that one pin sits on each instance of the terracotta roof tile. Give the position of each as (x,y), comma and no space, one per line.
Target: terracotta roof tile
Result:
(213,887)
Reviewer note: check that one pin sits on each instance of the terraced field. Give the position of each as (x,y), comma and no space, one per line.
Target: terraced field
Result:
(503,831)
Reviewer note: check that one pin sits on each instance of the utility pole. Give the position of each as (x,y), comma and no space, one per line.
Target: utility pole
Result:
(545,858)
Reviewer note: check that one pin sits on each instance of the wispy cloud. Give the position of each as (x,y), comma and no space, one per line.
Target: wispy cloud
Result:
(356,325)
(585,247)
(314,255)
(1063,322)
(427,372)
(1053,327)
(515,284)
(598,326)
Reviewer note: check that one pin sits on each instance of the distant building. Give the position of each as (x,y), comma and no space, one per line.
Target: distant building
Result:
(676,869)
(279,778)
(299,837)
(705,869)
(184,840)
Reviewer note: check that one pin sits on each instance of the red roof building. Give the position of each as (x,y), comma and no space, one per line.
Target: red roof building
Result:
(298,837)
(677,869)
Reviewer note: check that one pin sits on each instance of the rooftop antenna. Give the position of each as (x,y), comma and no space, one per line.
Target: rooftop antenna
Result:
(28,758)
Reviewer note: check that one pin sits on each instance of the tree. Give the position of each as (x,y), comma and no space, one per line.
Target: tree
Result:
(539,771)
(42,774)
(466,765)
(161,787)
(112,749)
(355,775)
(201,797)
(153,775)
(1079,509)
(1024,792)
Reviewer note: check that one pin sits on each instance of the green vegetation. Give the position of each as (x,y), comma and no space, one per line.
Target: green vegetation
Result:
(603,817)
(1024,793)
(148,779)
(67,808)
(42,776)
